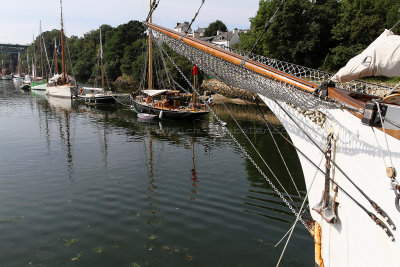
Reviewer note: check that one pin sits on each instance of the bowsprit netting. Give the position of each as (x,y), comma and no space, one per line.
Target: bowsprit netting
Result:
(241,77)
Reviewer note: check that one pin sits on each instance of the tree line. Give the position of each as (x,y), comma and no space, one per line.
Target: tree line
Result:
(322,34)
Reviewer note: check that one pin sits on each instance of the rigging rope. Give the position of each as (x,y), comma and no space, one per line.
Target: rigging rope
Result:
(154,6)
(261,157)
(376,207)
(266,26)
(195,16)
(244,151)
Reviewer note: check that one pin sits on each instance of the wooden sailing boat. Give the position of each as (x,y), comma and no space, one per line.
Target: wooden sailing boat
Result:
(40,83)
(166,104)
(347,137)
(62,85)
(94,95)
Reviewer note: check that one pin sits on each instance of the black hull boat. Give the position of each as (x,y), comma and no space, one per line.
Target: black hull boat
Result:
(104,99)
(168,114)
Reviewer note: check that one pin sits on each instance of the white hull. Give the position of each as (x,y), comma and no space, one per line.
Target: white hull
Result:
(355,240)
(63,91)
(41,87)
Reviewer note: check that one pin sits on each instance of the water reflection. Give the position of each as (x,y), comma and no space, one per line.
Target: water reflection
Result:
(115,180)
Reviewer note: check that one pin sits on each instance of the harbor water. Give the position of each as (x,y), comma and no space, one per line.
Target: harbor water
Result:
(93,186)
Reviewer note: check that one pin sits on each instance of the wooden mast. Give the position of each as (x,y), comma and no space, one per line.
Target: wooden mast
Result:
(150,62)
(34,60)
(19,64)
(55,55)
(62,46)
(101,61)
(41,48)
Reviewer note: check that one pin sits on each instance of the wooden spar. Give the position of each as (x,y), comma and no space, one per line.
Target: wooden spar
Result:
(62,46)
(150,56)
(41,48)
(101,61)
(194,91)
(237,60)
(257,67)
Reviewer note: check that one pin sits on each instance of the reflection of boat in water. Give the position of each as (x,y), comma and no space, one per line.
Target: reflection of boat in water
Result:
(60,103)
(353,128)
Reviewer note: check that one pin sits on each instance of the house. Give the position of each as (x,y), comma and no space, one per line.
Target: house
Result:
(227,39)
(199,32)
(183,28)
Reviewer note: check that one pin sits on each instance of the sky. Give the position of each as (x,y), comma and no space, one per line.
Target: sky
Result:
(82,16)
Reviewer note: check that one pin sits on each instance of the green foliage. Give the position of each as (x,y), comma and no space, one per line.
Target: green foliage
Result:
(322,33)
(300,32)
(215,26)
(360,23)
(116,42)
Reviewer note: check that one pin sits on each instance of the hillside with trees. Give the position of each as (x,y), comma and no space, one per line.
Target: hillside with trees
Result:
(321,34)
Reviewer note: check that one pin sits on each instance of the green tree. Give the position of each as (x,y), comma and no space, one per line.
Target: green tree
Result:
(116,41)
(299,34)
(360,23)
(215,26)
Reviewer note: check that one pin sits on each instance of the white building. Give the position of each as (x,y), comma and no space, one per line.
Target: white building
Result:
(183,28)
(227,38)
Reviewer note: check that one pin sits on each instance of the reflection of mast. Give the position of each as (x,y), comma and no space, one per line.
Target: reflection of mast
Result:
(66,140)
(105,152)
(194,178)
(153,220)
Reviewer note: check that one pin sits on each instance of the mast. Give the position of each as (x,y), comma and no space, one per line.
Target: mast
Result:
(62,46)
(19,64)
(101,60)
(150,62)
(55,56)
(33,60)
(41,47)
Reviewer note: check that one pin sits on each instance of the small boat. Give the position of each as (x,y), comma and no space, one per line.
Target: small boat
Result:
(94,95)
(7,77)
(146,117)
(167,104)
(40,83)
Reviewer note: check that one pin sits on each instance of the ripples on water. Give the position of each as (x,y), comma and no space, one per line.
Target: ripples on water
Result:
(88,186)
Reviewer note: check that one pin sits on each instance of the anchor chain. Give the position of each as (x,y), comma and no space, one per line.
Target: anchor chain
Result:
(327,206)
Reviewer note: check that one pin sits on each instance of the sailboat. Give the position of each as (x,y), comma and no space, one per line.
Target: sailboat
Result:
(166,104)
(17,77)
(5,73)
(94,95)
(40,83)
(62,85)
(346,135)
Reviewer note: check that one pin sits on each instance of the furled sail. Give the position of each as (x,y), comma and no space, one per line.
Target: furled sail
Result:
(381,57)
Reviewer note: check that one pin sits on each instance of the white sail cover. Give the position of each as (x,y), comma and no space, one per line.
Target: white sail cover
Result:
(382,57)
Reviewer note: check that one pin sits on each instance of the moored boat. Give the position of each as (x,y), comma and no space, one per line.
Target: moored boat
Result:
(61,85)
(347,137)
